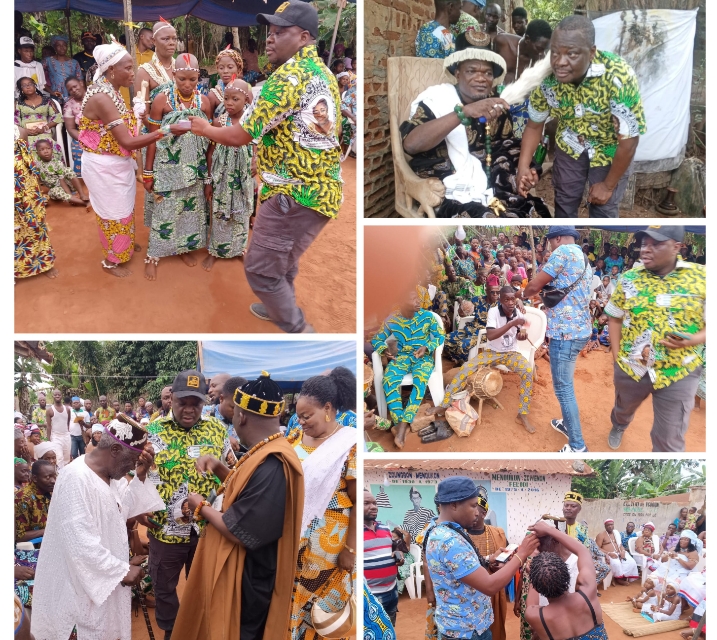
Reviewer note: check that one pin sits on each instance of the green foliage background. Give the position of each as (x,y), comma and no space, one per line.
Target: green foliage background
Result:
(122,370)
(552,11)
(646,479)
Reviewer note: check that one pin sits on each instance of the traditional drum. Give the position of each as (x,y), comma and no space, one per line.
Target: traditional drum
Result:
(486,383)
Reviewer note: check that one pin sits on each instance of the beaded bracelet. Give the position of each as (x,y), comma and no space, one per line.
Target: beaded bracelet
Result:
(156,123)
(197,515)
(208,180)
(465,120)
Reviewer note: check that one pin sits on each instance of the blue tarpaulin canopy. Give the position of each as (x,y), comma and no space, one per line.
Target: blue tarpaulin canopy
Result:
(230,13)
(634,229)
(289,363)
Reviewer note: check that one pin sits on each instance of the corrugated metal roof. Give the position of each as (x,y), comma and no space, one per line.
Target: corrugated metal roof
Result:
(568,467)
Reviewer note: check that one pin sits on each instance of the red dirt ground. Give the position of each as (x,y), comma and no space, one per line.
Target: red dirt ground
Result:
(411,618)
(85,300)
(595,394)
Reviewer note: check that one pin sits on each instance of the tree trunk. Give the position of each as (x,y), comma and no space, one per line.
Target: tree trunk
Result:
(235,38)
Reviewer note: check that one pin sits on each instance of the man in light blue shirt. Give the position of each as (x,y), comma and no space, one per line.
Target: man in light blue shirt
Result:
(464,581)
(569,324)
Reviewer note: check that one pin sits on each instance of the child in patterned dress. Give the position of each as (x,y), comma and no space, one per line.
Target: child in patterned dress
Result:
(55,175)
(232,189)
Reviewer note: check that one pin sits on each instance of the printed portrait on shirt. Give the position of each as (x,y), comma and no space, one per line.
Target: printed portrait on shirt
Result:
(317,121)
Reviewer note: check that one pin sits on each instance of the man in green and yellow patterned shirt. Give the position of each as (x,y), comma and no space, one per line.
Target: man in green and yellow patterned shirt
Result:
(657,329)
(594,96)
(38,414)
(295,124)
(178,441)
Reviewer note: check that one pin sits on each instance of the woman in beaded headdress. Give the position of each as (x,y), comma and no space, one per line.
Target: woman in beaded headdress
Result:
(109,137)
(160,70)
(232,189)
(229,66)
(175,170)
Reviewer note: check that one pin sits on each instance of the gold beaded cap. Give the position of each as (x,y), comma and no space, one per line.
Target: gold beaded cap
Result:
(261,396)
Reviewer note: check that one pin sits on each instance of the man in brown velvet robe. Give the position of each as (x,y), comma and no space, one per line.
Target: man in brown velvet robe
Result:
(242,576)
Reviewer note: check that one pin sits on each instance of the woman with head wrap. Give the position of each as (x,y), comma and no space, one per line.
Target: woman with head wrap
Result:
(60,67)
(47,451)
(109,137)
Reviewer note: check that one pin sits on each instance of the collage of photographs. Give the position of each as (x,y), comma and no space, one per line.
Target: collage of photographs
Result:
(491,217)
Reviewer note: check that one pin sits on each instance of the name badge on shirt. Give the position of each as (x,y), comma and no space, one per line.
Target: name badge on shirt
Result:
(663,300)
(579,111)
(194,451)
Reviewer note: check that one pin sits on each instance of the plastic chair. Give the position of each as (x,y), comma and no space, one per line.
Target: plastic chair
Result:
(637,557)
(538,324)
(60,138)
(597,281)
(435,381)
(456,317)
(700,564)
(607,581)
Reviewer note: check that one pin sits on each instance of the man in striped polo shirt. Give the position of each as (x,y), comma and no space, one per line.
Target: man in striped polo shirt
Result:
(379,563)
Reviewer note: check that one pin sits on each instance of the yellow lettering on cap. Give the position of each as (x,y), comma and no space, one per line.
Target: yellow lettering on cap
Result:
(193,381)
(282,7)
(655,226)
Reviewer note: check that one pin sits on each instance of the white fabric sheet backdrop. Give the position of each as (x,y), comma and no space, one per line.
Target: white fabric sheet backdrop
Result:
(658,44)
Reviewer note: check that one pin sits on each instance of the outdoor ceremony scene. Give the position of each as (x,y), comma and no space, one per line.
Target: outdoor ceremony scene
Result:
(535,108)
(185,490)
(535,338)
(534,549)
(214,150)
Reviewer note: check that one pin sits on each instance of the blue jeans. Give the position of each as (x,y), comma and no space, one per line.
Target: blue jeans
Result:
(563,356)
(389,602)
(486,635)
(78,446)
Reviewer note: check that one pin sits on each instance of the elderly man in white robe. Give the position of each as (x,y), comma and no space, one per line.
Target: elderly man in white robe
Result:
(622,565)
(84,577)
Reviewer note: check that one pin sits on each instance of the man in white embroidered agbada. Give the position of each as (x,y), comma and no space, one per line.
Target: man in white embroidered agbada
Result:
(84,578)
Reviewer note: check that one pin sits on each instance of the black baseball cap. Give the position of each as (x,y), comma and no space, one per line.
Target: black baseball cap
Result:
(660,233)
(189,383)
(293,13)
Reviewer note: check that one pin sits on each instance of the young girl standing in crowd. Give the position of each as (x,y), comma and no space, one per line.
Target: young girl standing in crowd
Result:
(232,188)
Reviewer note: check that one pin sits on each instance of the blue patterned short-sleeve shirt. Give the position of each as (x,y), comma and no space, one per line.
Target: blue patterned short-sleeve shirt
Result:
(460,609)
(570,318)
(433,40)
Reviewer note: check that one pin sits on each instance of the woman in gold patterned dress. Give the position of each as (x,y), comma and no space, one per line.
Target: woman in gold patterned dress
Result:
(327,450)
(33,251)
(109,137)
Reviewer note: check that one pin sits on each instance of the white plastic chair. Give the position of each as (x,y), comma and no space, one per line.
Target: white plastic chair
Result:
(645,571)
(639,557)
(456,317)
(414,572)
(59,138)
(700,564)
(538,324)
(435,381)
(597,281)
(607,581)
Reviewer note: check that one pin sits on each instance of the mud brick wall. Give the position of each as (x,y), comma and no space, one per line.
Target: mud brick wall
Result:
(390,28)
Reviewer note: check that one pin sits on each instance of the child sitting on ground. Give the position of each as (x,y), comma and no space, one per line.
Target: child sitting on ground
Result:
(671,607)
(54,175)
(647,597)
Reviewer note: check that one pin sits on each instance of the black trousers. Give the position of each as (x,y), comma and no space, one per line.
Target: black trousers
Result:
(166,562)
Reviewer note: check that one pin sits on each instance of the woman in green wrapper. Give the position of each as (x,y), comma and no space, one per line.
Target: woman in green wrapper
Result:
(232,183)
(176,171)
